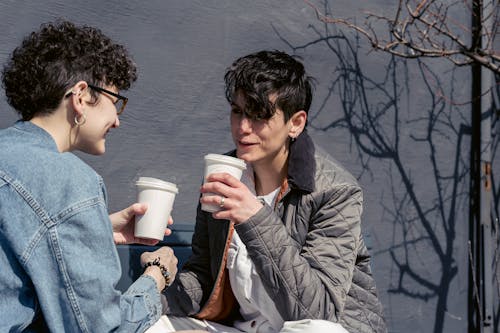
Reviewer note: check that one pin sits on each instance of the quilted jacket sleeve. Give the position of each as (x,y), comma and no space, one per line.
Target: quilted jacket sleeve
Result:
(193,283)
(312,279)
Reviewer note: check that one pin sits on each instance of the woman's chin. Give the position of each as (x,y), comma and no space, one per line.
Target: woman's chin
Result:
(95,150)
(245,156)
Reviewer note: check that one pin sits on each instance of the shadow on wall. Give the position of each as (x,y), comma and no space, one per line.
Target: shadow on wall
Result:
(376,115)
(422,252)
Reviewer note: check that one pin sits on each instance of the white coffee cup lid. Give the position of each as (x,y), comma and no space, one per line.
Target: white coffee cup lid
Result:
(233,161)
(157,183)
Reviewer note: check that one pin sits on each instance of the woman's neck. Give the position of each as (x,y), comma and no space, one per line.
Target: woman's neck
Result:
(270,176)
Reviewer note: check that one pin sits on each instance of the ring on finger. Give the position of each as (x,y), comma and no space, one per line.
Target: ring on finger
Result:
(221,205)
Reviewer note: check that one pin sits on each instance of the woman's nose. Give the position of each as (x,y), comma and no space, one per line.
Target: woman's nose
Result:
(245,124)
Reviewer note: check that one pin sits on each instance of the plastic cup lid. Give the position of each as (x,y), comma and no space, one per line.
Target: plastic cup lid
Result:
(233,161)
(157,183)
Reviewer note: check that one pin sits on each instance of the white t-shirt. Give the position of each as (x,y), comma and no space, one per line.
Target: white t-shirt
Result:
(256,307)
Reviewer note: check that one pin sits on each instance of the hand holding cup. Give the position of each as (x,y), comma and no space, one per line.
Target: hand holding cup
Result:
(123,225)
(215,163)
(234,200)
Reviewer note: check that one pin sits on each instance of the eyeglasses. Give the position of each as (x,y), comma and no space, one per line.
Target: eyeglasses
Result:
(119,103)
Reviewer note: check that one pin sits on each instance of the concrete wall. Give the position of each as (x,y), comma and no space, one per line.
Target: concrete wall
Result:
(386,120)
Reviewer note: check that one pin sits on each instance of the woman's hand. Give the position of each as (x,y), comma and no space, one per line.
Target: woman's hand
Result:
(237,201)
(167,258)
(123,225)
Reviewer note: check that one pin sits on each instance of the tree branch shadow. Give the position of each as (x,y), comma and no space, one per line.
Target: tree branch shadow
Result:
(372,111)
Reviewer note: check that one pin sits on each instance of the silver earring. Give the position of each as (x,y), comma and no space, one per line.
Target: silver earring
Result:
(82,120)
(292,138)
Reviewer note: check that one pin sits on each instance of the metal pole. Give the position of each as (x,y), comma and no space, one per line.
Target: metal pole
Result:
(485,206)
(480,278)
(487,16)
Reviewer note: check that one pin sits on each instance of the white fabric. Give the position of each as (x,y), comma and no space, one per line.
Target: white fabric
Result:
(256,307)
(312,326)
(173,324)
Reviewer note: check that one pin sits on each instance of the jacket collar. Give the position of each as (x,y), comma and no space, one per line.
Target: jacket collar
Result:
(43,137)
(301,163)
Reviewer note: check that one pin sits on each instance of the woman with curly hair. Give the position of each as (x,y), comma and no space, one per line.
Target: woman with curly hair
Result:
(59,264)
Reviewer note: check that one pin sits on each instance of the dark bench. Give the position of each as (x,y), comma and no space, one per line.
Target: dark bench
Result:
(179,241)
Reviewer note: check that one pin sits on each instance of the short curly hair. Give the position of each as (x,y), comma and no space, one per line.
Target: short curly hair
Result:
(54,58)
(260,74)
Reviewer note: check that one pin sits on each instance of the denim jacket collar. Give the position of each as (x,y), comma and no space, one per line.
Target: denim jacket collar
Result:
(45,138)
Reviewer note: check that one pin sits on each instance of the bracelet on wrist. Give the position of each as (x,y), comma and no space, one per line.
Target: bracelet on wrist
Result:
(164,271)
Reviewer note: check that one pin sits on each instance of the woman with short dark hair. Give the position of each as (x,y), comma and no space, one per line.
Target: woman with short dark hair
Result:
(285,253)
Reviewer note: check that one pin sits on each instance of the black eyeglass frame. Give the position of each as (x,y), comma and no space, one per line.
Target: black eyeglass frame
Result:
(120,97)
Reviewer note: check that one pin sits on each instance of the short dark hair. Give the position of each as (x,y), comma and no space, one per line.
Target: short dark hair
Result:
(260,74)
(49,61)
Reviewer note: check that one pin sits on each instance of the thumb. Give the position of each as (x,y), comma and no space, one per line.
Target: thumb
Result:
(135,209)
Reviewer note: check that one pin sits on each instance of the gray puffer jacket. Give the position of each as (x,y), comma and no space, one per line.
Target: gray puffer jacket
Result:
(308,250)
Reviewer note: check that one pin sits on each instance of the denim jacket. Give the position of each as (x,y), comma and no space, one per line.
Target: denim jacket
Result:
(58,263)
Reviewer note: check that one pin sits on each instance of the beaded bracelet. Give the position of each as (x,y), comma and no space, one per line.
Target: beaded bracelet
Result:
(164,271)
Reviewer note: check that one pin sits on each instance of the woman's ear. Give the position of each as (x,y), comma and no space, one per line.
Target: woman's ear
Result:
(298,123)
(78,91)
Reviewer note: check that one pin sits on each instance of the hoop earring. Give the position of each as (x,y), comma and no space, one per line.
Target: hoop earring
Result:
(82,120)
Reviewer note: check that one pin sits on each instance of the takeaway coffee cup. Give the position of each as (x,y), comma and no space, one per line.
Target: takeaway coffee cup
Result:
(159,195)
(215,163)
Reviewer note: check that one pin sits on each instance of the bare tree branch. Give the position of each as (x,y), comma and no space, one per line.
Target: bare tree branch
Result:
(429,30)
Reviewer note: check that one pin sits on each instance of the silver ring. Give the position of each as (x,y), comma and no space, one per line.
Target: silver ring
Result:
(221,205)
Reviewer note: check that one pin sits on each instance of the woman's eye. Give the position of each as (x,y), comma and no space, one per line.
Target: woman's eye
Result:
(236,111)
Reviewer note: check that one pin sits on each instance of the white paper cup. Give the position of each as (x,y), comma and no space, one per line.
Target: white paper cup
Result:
(159,195)
(215,163)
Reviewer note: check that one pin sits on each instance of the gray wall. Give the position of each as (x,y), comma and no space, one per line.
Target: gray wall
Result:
(384,119)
